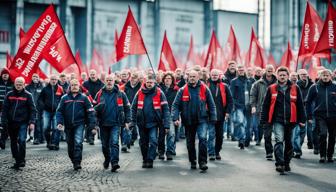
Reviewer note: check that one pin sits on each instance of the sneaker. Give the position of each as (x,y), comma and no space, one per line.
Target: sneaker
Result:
(212,157)
(203,166)
(287,168)
(218,157)
(269,156)
(169,157)
(241,146)
(280,169)
(77,166)
(115,167)
(330,160)
(322,160)
(106,164)
(193,165)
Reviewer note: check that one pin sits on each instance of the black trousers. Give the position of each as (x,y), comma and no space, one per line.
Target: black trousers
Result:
(326,128)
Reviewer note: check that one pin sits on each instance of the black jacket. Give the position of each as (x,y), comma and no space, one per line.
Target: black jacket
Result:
(282,111)
(229,76)
(35,89)
(93,87)
(321,100)
(18,107)
(148,115)
(131,91)
(74,111)
(304,86)
(170,93)
(5,87)
(217,96)
(108,111)
(50,97)
(194,111)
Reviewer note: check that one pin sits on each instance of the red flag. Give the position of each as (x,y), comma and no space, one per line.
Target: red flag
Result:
(115,38)
(271,60)
(327,39)
(9,60)
(44,33)
(214,50)
(193,58)
(97,62)
(167,60)
(130,41)
(288,59)
(312,27)
(255,55)
(82,67)
(232,49)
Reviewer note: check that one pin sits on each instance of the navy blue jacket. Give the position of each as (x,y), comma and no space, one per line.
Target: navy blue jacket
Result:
(35,89)
(74,111)
(18,107)
(194,111)
(237,88)
(217,96)
(49,98)
(148,116)
(321,100)
(170,93)
(108,111)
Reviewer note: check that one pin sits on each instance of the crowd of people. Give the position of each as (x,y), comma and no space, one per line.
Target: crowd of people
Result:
(159,109)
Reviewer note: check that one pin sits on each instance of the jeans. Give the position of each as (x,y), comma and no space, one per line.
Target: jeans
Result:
(296,139)
(134,133)
(240,124)
(126,136)
(110,143)
(201,130)
(18,135)
(38,131)
(326,128)
(148,142)
(255,128)
(215,140)
(171,139)
(49,126)
(75,138)
(283,135)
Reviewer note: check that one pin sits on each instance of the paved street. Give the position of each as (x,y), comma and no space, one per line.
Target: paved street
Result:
(237,171)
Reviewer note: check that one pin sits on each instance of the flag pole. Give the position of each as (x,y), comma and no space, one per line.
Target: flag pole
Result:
(150,62)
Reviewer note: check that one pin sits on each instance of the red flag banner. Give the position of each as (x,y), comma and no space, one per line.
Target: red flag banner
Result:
(97,62)
(167,60)
(214,51)
(255,55)
(327,39)
(130,41)
(9,60)
(44,32)
(271,60)
(288,59)
(232,49)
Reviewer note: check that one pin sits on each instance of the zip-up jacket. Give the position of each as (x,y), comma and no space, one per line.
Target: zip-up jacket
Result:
(35,89)
(74,111)
(130,91)
(237,88)
(5,87)
(219,94)
(304,87)
(321,100)
(18,107)
(93,87)
(50,97)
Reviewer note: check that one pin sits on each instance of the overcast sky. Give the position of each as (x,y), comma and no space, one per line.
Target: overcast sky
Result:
(249,6)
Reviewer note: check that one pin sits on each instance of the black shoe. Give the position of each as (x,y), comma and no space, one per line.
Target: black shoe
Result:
(51,147)
(56,148)
(132,142)
(269,156)
(169,157)
(203,166)
(106,164)
(161,156)
(297,156)
(233,139)
(77,166)
(174,153)
(193,165)
(287,168)
(258,143)
(330,160)
(310,146)
(2,145)
(124,148)
(280,169)
(16,166)
(150,164)
(322,160)
(115,167)
(212,157)
(36,142)
(218,157)
(144,164)
(247,144)
(91,142)
(241,146)
(316,151)
(22,164)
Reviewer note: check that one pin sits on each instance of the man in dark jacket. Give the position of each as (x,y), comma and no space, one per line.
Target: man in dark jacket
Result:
(63,82)
(240,88)
(169,89)
(93,85)
(48,101)
(257,95)
(321,105)
(223,100)
(283,109)
(197,107)
(113,113)
(6,85)
(150,112)
(74,111)
(18,112)
(35,88)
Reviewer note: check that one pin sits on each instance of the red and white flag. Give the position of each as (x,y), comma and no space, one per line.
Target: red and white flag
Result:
(327,39)
(255,56)
(167,60)
(214,52)
(130,41)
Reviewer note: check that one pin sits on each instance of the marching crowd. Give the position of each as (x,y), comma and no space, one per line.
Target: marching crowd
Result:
(246,104)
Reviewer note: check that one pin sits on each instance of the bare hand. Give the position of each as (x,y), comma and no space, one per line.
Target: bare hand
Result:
(31,126)
(254,110)
(310,121)
(302,124)
(60,127)
(177,123)
(94,131)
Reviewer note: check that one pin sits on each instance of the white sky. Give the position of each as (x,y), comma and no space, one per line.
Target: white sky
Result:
(249,6)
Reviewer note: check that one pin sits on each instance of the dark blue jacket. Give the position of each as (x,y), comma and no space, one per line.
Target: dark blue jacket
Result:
(18,107)
(50,97)
(108,111)
(5,87)
(237,88)
(93,87)
(217,96)
(148,116)
(74,111)
(321,100)
(131,91)
(194,111)
(170,93)
(35,89)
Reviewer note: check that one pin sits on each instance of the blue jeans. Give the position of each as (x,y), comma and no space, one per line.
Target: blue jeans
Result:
(148,142)
(240,121)
(201,131)
(18,135)
(110,143)
(255,127)
(126,136)
(49,125)
(75,138)
(171,140)
(283,136)
(296,140)
(215,139)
